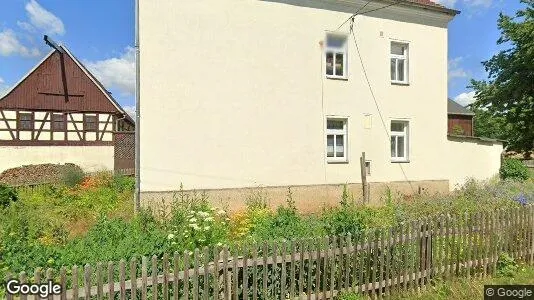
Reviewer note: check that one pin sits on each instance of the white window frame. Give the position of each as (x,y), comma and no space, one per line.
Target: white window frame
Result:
(334,51)
(397,57)
(406,134)
(336,132)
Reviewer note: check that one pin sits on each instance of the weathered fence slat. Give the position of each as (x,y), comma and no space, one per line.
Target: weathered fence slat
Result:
(87,281)
(205,275)
(176,270)
(154,267)
(122,278)
(99,281)
(23,278)
(111,281)
(165,286)
(144,275)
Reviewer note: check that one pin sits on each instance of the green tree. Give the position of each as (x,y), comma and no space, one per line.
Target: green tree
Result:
(487,125)
(508,93)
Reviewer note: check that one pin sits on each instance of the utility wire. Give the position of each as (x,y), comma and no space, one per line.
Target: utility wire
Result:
(373,96)
(366,12)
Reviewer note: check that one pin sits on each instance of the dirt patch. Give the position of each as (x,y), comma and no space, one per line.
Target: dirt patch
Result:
(36,174)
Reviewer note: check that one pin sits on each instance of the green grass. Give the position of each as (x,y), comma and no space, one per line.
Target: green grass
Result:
(461,288)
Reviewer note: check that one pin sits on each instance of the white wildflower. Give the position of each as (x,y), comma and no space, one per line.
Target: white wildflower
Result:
(207,228)
(170,236)
(208,219)
(220,212)
(203,214)
(192,220)
(219,244)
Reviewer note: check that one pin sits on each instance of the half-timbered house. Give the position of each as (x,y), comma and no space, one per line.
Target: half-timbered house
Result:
(60,113)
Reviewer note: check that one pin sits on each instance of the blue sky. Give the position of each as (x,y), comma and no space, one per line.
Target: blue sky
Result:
(101,34)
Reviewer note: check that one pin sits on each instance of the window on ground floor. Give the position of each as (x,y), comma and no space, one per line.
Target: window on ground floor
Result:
(336,139)
(399,140)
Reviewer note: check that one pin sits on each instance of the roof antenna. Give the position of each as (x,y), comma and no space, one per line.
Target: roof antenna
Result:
(53,44)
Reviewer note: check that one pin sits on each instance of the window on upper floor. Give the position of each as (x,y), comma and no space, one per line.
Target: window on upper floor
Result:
(89,123)
(399,62)
(25,121)
(399,141)
(58,122)
(336,139)
(336,55)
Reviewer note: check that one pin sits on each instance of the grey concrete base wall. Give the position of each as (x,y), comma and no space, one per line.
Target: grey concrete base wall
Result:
(308,198)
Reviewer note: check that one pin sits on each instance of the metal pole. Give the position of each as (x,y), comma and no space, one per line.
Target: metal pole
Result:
(137,204)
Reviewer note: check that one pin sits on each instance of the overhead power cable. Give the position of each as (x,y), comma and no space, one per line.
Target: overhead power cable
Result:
(373,95)
(366,12)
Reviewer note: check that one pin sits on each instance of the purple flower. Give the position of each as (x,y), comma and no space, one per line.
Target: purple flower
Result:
(521,199)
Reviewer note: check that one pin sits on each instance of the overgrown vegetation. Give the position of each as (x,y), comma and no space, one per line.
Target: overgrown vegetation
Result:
(8,195)
(513,169)
(92,221)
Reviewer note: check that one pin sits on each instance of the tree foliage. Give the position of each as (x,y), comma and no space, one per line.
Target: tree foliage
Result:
(507,96)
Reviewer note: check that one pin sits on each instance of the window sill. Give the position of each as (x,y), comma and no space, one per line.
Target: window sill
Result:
(400,161)
(336,77)
(400,83)
(337,162)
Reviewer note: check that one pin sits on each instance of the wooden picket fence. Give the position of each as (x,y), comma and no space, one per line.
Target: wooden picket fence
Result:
(377,263)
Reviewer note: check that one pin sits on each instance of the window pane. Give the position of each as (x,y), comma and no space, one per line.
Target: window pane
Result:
(339,64)
(393,146)
(393,69)
(400,69)
(335,41)
(330,146)
(334,124)
(400,146)
(397,126)
(329,63)
(340,149)
(397,49)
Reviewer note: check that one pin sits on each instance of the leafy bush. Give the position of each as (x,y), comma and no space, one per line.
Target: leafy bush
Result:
(72,176)
(343,220)
(506,266)
(513,169)
(202,227)
(7,195)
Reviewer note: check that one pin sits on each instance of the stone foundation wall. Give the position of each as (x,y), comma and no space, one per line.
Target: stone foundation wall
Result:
(308,198)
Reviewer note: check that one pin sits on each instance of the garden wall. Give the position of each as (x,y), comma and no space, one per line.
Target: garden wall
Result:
(470,157)
(89,158)
(308,198)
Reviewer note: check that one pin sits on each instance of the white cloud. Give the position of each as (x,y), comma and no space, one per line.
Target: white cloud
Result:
(10,45)
(43,19)
(130,110)
(455,70)
(26,26)
(3,87)
(469,3)
(116,72)
(465,98)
